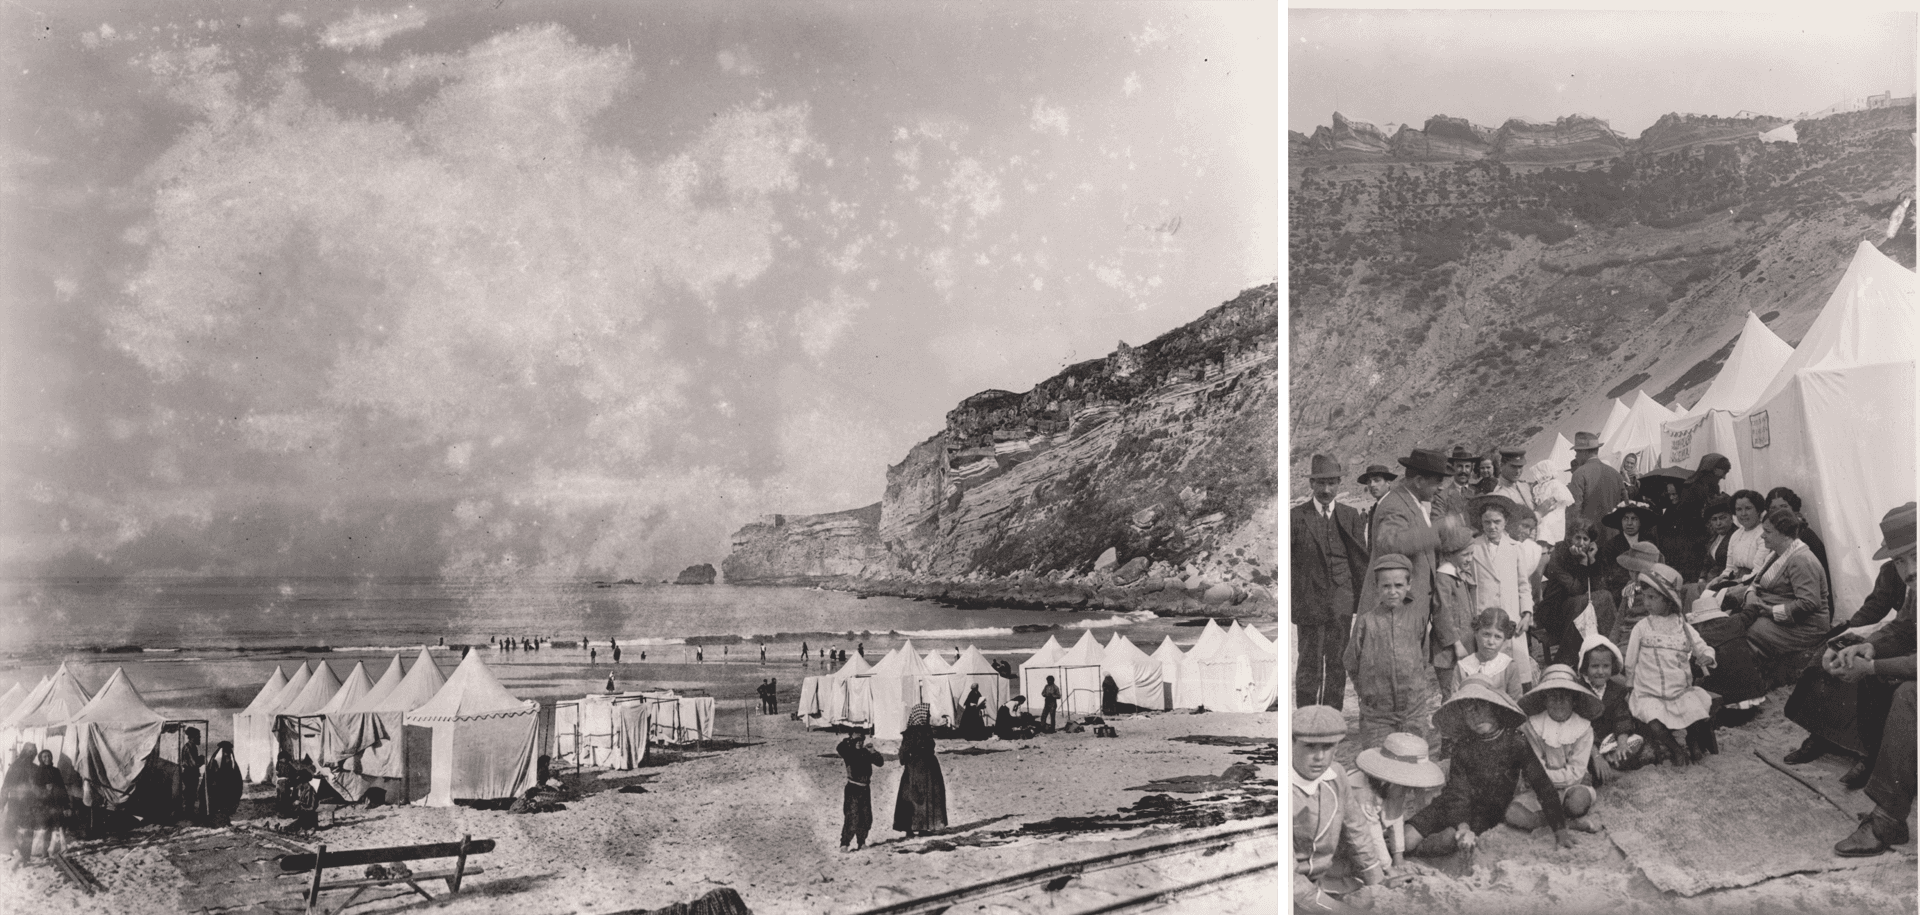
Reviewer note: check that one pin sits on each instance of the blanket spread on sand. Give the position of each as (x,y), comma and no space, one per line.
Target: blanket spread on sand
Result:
(1736,822)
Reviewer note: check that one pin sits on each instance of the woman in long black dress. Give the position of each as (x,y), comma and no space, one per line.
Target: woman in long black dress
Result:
(973,723)
(921,806)
(224,785)
(23,805)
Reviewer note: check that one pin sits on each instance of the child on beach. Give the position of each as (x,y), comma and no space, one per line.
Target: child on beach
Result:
(1392,780)
(1502,574)
(1664,697)
(1490,756)
(1387,657)
(1452,597)
(856,806)
(1489,661)
(1560,710)
(1615,736)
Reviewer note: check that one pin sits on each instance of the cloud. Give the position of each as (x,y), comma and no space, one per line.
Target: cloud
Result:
(820,324)
(1047,118)
(737,61)
(476,303)
(366,31)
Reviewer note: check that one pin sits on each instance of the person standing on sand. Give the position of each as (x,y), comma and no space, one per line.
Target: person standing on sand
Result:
(856,805)
(773,696)
(921,806)
(22,810)
(763,655)
(593,656)
(192,757)
(1050,694)
(862,646)
(699,655)
(973,724)
(224,785)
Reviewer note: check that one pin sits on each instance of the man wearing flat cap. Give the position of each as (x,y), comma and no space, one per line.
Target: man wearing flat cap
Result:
(1329,562)
(1333,861)
(1888,656)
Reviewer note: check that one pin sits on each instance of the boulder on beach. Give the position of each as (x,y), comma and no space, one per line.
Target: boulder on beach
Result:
(1222,593)
(1107,559)
(1134,570)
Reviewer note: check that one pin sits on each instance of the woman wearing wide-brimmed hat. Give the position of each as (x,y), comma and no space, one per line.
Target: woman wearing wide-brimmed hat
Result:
(1635,521)
(1560,711)
(1501,574)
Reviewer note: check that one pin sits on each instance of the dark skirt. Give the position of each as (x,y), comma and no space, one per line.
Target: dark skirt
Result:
(922,804)
(1736,673)
(972,725)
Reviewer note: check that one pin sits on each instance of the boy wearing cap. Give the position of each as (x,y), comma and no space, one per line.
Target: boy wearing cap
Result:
(1329,550)
(1326,822)
(1388,659)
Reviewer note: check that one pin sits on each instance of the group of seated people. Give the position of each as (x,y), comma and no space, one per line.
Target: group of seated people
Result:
(1559,711)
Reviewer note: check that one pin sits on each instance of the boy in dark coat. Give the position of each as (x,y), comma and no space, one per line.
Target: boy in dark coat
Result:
(856,805)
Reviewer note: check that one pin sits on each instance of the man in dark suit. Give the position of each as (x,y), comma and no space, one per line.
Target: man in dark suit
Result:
(1378,481)
(1597,488)
(1329,563)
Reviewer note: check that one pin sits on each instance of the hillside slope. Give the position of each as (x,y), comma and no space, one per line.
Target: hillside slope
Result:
(1162,455)
(1475,303)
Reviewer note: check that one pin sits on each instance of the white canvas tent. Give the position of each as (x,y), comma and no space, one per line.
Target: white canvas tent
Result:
(36,719)
(1836,424)
(676,719)
(1080,675)
(608,730)
(115,736)
(1707,427)
(288,734)
(308,735)
(254,747)
(368,736)
(1232,674)
(1037,668)
(483,738)
(11,699)
(1638,434)
(1616,415)
(1135,675)
(837,698)
(899,682)
(975,670)
(950,684)
(1170,657)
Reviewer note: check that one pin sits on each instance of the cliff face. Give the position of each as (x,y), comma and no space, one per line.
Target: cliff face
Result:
(788,547)
(1570,139)
(1164,451)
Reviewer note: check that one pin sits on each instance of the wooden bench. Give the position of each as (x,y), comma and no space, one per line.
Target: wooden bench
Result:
(321,860)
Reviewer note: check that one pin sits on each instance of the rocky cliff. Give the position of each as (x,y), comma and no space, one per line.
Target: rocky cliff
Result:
(789,548)
(1161,454)
(1570,139)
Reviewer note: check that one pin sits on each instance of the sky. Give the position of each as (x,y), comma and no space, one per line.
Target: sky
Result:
(1628,68)
(565,288)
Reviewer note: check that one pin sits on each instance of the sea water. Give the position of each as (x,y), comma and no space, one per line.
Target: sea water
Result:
(345,614)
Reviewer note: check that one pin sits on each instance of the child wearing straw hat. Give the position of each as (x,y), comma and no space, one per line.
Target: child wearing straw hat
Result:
(1659,652)
(1394,779)
(1560,711)
(1490,756)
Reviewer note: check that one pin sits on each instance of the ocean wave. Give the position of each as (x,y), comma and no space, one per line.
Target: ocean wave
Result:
(159,650)
(982,633)
(383,649)
(1137,616)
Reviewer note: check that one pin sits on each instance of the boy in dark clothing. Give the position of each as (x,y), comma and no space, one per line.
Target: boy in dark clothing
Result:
(1490,756)
(856,806)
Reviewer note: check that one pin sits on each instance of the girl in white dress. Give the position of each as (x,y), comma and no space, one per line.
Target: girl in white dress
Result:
(1664,698)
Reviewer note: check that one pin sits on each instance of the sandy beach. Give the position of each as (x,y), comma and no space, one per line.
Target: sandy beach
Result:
(758,813)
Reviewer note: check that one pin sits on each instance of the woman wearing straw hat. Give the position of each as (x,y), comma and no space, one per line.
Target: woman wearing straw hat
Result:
(1560,711)
(1394,779)
(1490,756)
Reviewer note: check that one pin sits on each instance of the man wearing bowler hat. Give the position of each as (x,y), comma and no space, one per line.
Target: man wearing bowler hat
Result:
(1597,489)
(1408,521)
(1329,562)
(1378,481)
(1332,858)
(1889,655)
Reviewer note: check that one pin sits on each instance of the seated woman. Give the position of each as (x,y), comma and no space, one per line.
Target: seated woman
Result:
(1747,551)
(1780,496)
(1635,521)
(1786,606)
(1014,722)
(1575,576)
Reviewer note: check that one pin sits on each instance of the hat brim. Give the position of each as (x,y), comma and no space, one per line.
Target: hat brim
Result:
(1365,478)
(1417,465)
(1451,718)
(1585,703)
(1647,517)
(1890,550)
(1423,774)
(1632,562)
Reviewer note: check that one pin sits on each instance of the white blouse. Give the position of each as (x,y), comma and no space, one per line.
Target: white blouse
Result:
(1746,550)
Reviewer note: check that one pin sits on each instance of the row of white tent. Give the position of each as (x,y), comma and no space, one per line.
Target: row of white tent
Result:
(1228,669)
(1831,418)
(463,736)
(102,740)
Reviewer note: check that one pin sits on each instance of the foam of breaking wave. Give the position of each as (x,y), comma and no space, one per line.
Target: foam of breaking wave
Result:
(982,633)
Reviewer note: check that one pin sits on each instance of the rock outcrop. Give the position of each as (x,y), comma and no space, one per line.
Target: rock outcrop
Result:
(1157,455)
(801,548)
(1568,140)
(702,574)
